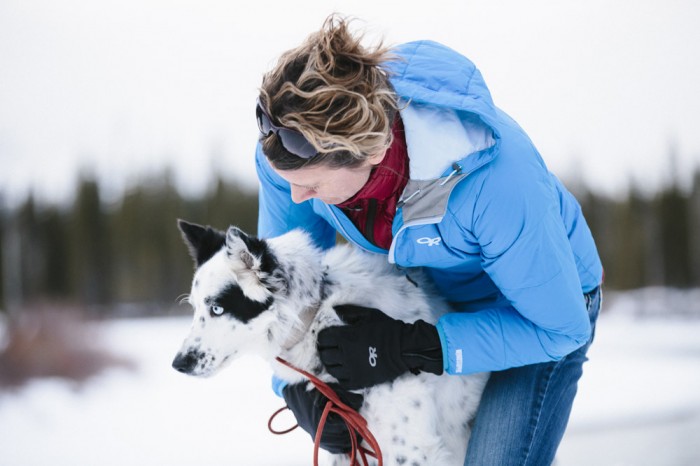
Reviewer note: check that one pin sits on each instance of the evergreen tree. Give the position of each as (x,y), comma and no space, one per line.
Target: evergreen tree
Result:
(90,264)
(694,231)
(672,216)
(53,236)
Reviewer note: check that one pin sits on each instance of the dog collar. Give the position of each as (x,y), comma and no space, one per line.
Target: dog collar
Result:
(297,334)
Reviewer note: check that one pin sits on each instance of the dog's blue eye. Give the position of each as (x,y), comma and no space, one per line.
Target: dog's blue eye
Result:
(216,310)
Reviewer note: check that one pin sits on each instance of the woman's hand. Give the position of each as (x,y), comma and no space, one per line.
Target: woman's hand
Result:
(308,405)
(374,348)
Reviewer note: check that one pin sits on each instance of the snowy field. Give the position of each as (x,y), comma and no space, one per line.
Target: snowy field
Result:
(639,404)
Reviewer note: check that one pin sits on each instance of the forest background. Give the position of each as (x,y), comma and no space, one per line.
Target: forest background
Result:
(125,256)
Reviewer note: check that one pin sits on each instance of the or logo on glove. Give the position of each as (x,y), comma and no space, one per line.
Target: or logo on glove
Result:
(395,347)
(372,356)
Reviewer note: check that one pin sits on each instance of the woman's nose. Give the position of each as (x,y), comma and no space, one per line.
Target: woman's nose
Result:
(300,195)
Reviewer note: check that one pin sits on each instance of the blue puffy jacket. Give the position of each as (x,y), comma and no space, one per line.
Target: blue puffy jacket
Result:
(501,237)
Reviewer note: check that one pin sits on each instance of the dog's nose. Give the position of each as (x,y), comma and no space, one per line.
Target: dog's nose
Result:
(185,362)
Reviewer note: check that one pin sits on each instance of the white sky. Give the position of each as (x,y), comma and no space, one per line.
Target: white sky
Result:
(122,88)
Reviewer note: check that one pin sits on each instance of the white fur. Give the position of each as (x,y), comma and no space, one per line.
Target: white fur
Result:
(417,420)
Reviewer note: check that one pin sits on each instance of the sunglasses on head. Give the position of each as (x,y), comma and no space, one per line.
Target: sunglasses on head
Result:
(293,141)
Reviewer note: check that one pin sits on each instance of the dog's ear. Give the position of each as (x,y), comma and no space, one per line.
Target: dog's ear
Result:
(239,244)
(254,252)
(202,242)
(256,256)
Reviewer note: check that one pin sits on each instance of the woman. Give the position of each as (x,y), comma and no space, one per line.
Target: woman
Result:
(403,152)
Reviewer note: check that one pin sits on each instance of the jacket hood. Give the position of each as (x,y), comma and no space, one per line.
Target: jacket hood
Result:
(419,75)
(451,124)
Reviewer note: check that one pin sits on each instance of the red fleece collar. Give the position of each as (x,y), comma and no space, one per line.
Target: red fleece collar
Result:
(373,208)
(390,176)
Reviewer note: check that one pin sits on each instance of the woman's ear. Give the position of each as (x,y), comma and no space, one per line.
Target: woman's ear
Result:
(377,158)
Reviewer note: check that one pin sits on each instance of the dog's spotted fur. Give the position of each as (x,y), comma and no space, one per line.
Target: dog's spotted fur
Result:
(272,297)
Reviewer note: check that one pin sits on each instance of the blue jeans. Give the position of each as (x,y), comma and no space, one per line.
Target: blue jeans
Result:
(524,411)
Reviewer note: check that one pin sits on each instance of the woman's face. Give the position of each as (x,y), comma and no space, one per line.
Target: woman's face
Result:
(330,185)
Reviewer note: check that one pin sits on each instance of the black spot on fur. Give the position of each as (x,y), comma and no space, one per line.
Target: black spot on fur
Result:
(401,460)
(325,285)
(202,242)
(238,305)
(279,282)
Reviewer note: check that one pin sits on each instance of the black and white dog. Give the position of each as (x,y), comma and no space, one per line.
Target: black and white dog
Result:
(271,297)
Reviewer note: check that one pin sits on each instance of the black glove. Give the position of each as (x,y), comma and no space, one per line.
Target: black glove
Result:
(308,406)
(374,348)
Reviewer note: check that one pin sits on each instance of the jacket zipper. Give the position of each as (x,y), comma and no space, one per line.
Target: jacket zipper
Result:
(456,168)
(342,229)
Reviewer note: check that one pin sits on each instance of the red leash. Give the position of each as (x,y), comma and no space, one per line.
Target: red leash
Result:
(357,425)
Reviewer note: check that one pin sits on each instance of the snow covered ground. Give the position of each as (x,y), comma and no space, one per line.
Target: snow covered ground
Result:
(639,404)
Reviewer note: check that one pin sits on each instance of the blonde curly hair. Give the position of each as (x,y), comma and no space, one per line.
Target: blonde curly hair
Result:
(333,91)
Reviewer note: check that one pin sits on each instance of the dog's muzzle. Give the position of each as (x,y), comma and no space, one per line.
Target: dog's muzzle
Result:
(186,362)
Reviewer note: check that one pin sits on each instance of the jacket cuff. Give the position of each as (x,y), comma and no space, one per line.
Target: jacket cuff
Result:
(278,385)
(443,344)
